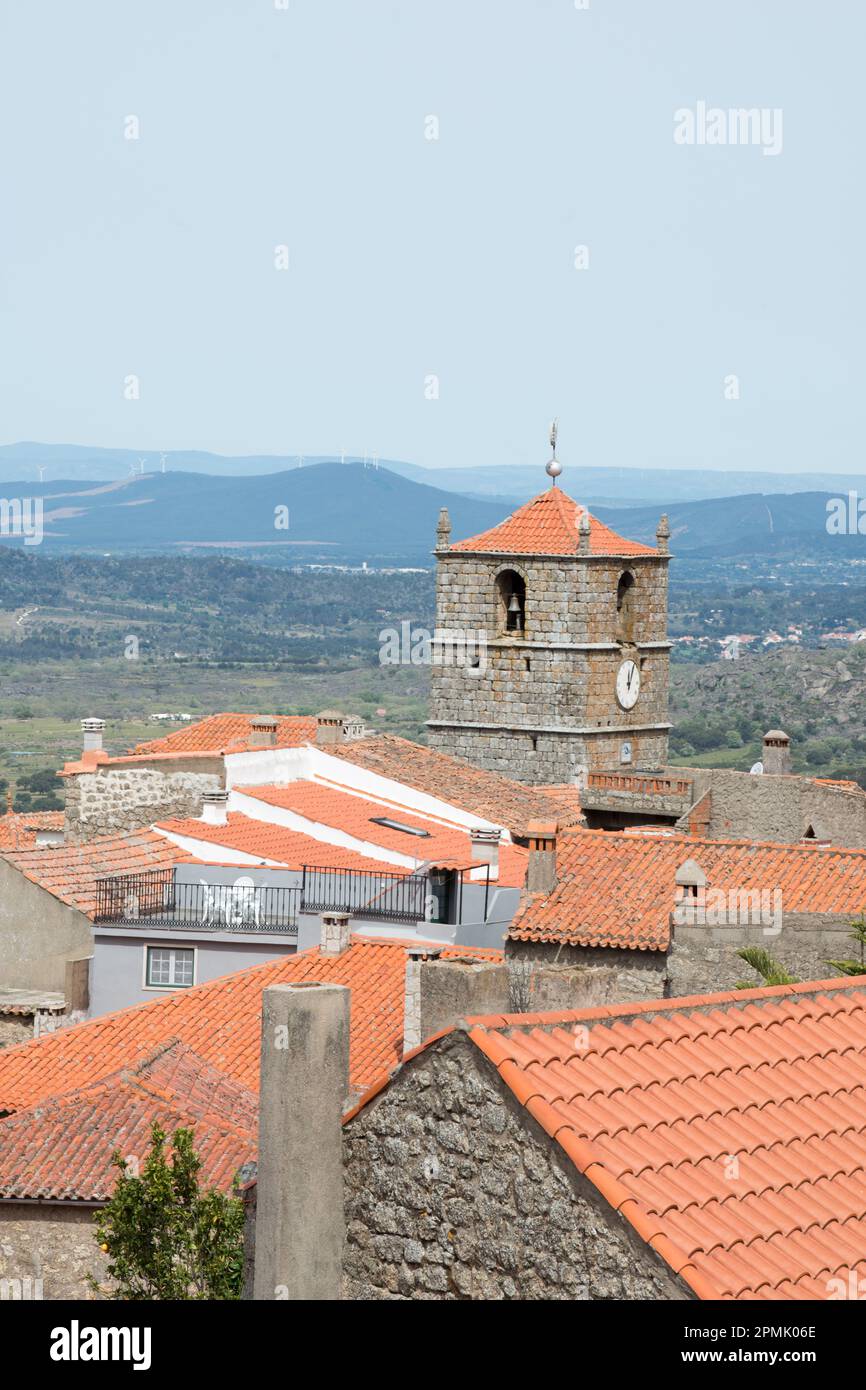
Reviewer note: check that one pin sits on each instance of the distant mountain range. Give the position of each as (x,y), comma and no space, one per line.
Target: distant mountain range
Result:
(597,487)
(327,512)
(349,513)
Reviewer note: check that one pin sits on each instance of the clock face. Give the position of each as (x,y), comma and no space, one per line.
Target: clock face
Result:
(628,684)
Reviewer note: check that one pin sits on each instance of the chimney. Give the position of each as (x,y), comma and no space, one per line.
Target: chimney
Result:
(663,536)
(541,870)
(300,1220)
(92,731)
(415,956)
(485,848)
(442,991)
(336,933)
(214,809)
(443,530)
(689,894)
(329,727)
(777,753)
(263,731)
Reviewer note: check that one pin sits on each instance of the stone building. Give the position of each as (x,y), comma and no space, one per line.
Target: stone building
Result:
(651,914)
(641,1151)
(550,655)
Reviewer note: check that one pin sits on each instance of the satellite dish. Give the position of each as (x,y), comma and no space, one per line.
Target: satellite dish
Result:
(757,769)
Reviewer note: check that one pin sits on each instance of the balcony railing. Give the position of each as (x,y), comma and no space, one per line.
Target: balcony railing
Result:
(155,899)
(366,893)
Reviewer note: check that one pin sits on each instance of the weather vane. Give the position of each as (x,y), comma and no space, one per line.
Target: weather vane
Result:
(554,468)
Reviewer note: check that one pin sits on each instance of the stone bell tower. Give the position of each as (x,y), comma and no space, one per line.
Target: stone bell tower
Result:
(550,657)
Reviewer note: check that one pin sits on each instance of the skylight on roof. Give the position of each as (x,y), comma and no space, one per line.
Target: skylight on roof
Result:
(398,825)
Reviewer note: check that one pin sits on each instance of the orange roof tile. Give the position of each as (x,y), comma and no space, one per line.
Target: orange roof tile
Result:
(70,871)
(229,733)
(357,816)
(268,841)
(221,1021)
(18,828)
(548,525)
(486,794)
(62,1148)
(618,889)
(729,1129)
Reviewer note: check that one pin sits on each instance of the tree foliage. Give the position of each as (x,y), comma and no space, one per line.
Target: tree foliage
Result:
(165,1238)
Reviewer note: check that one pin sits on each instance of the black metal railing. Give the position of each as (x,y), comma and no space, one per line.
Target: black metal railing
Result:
(366,893)
(156,899)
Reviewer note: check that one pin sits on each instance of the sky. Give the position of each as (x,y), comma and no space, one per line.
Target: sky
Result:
(310,226)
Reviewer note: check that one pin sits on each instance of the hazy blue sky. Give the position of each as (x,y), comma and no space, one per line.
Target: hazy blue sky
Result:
(305,126)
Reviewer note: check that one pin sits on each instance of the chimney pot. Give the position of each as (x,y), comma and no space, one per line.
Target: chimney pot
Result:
(214,810)
(485,847)
(329,727)
(541,869)
(92,731)
(336,933)
(777,753)
(263,731)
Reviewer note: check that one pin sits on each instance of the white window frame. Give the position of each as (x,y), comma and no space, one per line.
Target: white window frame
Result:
(167,946)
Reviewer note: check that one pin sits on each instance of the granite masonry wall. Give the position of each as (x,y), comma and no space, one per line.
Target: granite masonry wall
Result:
(778,808)
(454,1192)
(115,799)
(527,709)
(545,976)
(703,959)
(53,1243)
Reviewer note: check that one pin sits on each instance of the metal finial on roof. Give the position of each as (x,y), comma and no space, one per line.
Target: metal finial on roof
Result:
(554,468)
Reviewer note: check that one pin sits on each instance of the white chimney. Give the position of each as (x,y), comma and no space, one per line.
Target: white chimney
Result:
(91,732)
(485,848)
(214,810)
(336,933)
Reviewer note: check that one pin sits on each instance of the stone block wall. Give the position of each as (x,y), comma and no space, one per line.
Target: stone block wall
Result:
(53,1243)
(781,809)
(544,976)
(544,700)
(704,960)
(15,1028)
(115,799)
(453,1192)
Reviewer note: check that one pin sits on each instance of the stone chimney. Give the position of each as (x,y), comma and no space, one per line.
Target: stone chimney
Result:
(663,536)
(583,534)
(440,992)
(214,809)
(485,849)
(92,731)
(541,870)
(415,955)
(336,933)
(263,731)
(300,1219)
(443,530)
(777,753)
(690,892)
(329,727)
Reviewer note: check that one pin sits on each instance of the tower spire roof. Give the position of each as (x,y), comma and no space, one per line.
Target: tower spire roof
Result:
(550,525)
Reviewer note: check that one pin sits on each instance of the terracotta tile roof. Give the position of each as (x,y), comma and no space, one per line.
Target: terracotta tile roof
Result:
(485,794)
(618,889)
(62,1148)
(567,798)
(221,1021)
(70,871)
(729,1129)
(268,841)
(228,733)
(356,816)
(548,526)
(18,828)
